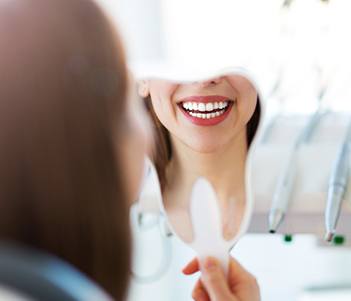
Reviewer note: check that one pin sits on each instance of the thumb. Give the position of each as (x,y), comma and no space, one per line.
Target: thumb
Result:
(215,281)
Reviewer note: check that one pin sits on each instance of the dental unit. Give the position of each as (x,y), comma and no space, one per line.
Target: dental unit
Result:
(284,187)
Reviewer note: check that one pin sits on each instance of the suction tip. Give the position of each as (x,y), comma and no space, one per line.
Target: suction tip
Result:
(329,236)
(275,219)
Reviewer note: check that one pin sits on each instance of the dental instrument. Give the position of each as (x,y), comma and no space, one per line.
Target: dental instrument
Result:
(282,193)
(337,186)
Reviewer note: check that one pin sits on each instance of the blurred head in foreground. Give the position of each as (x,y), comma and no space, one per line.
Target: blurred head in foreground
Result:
(66,177)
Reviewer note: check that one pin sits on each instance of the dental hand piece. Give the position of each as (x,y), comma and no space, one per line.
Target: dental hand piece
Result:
(283,190)
(306,136)
(282,193)
(337,186)
(269,129)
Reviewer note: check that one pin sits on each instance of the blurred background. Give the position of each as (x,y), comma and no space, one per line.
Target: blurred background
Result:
(299,53)
(302,43)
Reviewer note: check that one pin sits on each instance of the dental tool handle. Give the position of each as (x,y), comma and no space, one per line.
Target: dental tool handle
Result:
(335,198)
(311,126)
(282,193)
(341,168)
(337,188)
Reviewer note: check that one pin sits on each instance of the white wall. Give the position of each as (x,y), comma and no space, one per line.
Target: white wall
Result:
(140,25)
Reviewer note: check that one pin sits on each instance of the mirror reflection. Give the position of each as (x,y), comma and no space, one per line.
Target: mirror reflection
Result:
(203,129)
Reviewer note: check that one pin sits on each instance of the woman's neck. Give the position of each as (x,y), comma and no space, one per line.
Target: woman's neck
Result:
(224,168)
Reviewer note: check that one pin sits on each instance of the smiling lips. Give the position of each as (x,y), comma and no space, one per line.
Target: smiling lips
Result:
(206,110)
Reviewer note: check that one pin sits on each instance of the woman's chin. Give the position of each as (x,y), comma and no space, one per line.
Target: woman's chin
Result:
(205,147)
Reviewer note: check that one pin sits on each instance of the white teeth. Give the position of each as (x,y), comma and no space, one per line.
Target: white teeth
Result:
(205,110)
(209,107)
(204,107)
(208,115)
(223,105)
(201,107)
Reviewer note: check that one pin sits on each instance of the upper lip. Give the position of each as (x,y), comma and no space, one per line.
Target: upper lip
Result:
(205,98)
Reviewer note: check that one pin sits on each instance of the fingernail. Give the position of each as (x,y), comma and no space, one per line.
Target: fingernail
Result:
(210,264)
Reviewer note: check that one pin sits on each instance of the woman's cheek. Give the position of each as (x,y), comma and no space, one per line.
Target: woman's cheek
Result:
(248,101)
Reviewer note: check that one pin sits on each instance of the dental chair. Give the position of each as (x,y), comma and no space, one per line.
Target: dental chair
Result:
(28,275)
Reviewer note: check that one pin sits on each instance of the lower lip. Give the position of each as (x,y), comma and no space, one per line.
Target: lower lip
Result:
(208,122)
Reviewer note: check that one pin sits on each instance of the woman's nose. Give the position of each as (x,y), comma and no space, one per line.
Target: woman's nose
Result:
(212,81)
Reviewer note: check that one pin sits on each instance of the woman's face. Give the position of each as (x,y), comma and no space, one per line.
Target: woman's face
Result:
(203,115)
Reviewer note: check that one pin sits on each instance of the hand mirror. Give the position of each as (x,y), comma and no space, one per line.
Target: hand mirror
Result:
(204,130)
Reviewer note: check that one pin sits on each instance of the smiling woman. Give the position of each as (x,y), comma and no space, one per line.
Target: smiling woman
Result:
(203,129)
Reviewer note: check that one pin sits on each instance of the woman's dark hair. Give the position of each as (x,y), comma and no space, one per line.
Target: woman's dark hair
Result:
(63,83)
(163,150)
